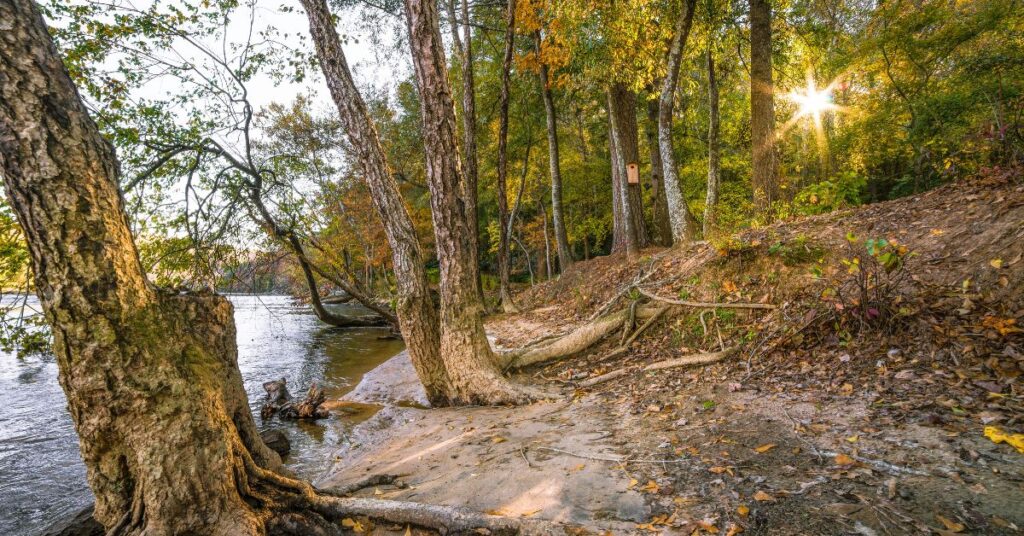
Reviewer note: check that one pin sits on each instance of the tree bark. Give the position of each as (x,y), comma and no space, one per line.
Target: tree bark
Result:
(684,225)
(504,253)
(661,228)
(565,260)
(464,51)
(474,376)
(764,178)
(418,318)
(146,373)
(622,111)
(619,234)
(714,162)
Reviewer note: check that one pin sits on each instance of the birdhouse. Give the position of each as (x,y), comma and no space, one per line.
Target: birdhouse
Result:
(633,173)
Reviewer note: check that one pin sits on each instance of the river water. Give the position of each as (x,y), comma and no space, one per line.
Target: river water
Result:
(41,474)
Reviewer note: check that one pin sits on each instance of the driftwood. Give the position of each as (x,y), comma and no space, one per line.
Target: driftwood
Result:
(280,402)
(694,359)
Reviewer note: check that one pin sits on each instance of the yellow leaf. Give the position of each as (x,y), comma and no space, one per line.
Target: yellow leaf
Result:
(743,510)
(578,468)
(632,482)
(734,529)
(761,496)
(997,264)
(999,436)
(765,448)
(377,491)
(729,286)
(348,522)
(951,525)
(531,513)
(408,531)
(650,486)
(498,439)
(718,469)
(842,459)
(853,438)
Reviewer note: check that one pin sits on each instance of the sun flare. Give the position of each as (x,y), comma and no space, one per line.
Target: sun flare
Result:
(813,102)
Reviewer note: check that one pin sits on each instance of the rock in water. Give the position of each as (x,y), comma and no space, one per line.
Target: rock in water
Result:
(277,397)
(277,441)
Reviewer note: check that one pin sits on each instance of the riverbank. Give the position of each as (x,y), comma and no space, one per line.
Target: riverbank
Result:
(815,424)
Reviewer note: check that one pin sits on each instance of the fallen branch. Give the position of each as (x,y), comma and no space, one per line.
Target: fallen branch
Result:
(624,347)
(616,459)
(708,305)
(694,359)
(880,465)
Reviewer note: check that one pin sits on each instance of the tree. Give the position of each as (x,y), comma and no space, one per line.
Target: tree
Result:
(684,225)
(765,167)
(151,376)
(625,150)
(504,222)
(557,214)
(416,311)
(474,376)
(714,160)
(661,228)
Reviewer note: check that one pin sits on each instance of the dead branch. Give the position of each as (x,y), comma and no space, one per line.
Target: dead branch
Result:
(708,305)
(624,347)
(694,359)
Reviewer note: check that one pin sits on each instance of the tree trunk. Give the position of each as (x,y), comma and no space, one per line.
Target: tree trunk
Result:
(764,178)
(326,316)
(661,228)
(503,216)
(557,214)
(473,373)
(714,163)
(146,373)
(620,238)
(417,314)
(622,110)
(684,225)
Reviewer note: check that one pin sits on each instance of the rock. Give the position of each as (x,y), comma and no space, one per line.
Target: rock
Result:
(79,524)
(277,441)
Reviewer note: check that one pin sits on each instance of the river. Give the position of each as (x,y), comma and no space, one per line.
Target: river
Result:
(41,474)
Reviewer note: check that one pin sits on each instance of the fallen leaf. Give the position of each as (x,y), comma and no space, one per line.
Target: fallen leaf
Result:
(997,435)
(531,513)
(498,439)
(997,264)
(718,469)
(743,510)
(853,438)
(951,525)
(761,496)
(632,482)
(765,448)
(650,486)
(578,468)
(734,529)
(842,459)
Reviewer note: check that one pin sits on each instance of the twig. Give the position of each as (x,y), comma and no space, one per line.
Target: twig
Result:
(881,465)
(708,305)
(694,359)
(624,347)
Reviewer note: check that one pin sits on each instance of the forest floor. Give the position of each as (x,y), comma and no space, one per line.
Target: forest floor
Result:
(835,414)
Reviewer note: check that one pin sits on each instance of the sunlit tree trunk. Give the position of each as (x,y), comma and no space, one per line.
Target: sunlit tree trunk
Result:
(714,164)
(418,318)
(503,216)
(765,179)
(557,214)
(684,225)
(661,228)
(619,234)
(146,373)
(473,373)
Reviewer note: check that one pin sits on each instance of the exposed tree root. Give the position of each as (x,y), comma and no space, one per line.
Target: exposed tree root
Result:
(370,481)
(695,359)
(575,341)
(709,305)
(624,346)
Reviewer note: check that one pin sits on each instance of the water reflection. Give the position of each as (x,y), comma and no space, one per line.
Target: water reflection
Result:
(41,474)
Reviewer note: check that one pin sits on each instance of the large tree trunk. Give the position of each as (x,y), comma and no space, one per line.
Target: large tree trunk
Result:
(625,139)
(661,228)
(557,214)
(765,180)
(714,163)
(473,373)
(619,236)
(504,229)
(684,225)
(417,313)
(147,374)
